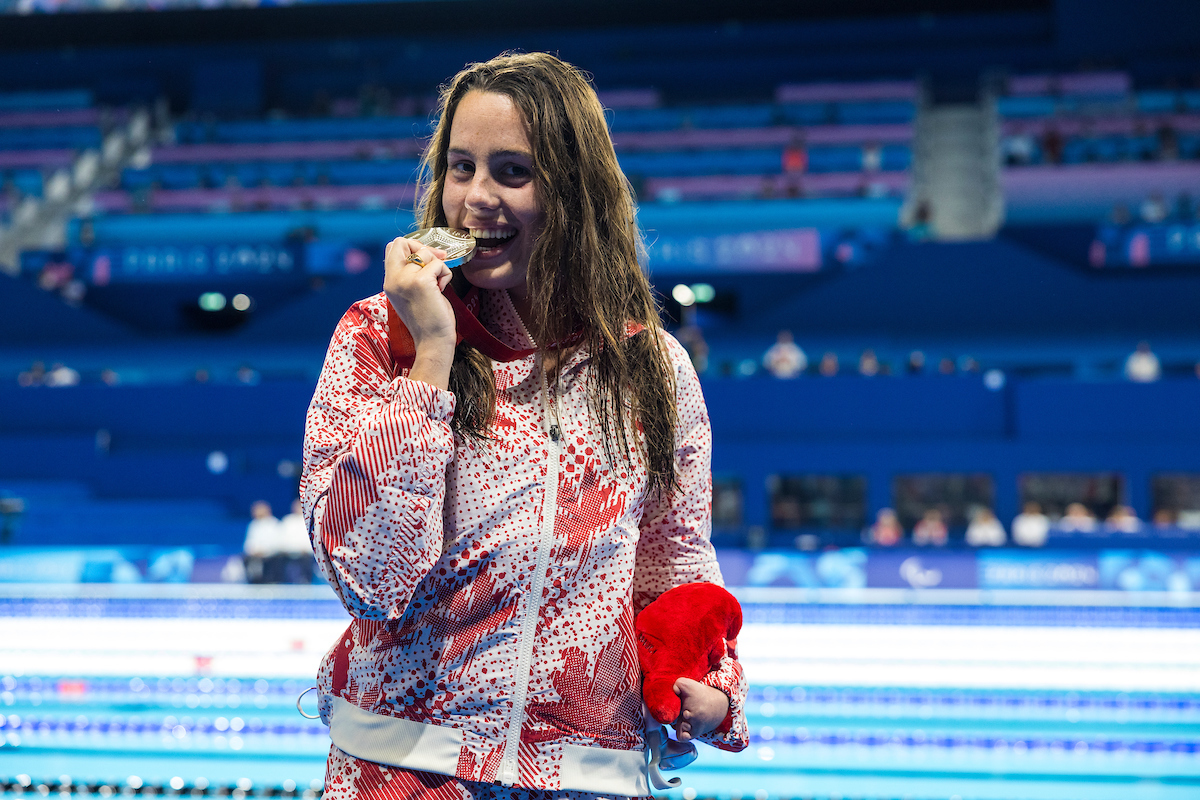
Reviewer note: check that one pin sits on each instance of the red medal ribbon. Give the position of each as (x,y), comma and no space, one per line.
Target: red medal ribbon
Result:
(469,330)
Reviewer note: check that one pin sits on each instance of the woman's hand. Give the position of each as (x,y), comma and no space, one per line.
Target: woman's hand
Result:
(703,708)
(415,291)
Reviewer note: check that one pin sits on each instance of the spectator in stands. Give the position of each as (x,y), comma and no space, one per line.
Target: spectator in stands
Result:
(1031,527)
(1154,209)
(61,375)
(1078,519)
(87,233)
(916,363)
(1168,143)
(11,510)
(1122,519)
(262,539)
(921,228)
(985,530)
(1143,366)
(110,377)
(1052,145)
(868,364)
(1164,519)
(829,364)
(247,374)
(946,366)
(795,156)
(34,376)
(872,157)
(294,547)
(785,359)
(931,529)
(886,530)
(1019,149)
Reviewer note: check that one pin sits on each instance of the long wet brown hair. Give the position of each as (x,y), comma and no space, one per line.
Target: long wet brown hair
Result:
(584,274)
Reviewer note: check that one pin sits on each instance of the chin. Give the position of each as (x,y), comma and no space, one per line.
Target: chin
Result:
(499,277)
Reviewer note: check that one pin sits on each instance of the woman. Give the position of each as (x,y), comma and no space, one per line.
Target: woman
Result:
(492,527)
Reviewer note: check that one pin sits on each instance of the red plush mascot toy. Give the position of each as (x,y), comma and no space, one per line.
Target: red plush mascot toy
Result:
(682,634)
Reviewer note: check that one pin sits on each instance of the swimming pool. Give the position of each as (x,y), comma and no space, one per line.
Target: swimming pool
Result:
(190,690)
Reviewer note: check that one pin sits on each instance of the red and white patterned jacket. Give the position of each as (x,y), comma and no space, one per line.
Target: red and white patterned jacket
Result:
(492,635)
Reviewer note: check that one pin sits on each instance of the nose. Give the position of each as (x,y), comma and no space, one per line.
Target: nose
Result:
(481,195)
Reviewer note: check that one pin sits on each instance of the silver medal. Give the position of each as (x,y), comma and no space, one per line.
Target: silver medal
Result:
(458,244)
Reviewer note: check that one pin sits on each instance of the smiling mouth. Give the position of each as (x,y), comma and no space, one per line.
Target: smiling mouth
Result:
(492,237)
(490,241)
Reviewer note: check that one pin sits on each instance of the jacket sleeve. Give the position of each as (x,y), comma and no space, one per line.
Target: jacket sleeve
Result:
(376,447)
(674,546)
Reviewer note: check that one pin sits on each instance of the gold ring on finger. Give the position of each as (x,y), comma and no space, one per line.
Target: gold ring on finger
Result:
(416,259)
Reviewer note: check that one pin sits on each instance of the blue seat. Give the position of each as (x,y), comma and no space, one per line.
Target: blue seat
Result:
(28,181)
(46,100)
(1157,101)
(1189,146)
(806,113)
(844,158)
(1108,148)
(179,176)
(1077,151)
(877,112)
(134,179)
(896,157)
(741,116)
(1025,106)
(647,119)
(281,173)
(321,129)
(717,162)
(372,172)
(1142,147)
(48,138)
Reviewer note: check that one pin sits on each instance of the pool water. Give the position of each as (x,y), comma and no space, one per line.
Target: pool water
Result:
(864,696)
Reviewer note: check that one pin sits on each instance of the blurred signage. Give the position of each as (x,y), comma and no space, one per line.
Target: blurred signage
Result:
(847,568)
(1141,246)
(1031,570)
(159,263)
(796,250)
(924,569)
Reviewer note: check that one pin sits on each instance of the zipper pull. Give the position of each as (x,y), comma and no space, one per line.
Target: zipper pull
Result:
(555,434)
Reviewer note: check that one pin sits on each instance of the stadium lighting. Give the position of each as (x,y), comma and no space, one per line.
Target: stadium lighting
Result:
(242,302)
(212,301)
(704,292)
(683,294)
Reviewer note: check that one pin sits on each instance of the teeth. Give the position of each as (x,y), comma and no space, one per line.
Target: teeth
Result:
(488,233)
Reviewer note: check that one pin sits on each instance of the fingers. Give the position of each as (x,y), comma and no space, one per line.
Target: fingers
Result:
(400,249)
(683,728)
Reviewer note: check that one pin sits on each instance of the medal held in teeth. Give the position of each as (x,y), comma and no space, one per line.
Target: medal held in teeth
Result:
(458,244)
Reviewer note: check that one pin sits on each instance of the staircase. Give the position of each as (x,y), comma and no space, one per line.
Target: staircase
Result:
(40,223)
(956,193)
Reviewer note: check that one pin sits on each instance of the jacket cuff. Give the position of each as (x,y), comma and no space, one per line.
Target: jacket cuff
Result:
(437,404)
(732,734)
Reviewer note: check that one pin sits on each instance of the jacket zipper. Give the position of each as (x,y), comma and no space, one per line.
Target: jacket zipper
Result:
(509,768)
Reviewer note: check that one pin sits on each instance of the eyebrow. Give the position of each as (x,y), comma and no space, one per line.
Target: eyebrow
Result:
(497,154)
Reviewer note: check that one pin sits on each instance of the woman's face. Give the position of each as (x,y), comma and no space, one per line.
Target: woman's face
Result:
(490,191)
